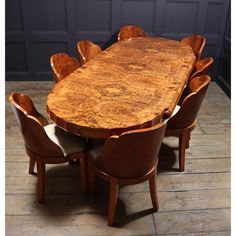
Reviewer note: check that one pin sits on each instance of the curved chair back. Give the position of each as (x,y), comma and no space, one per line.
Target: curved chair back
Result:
(196,42)
(87,50)
(132,154)
(62,65)
(131,31)
(202,67)
(191,104)
(36,140)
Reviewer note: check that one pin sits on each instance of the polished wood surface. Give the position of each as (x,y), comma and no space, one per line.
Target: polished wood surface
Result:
(196,42)
(87,50)
(202,67)
(130,85)
(187,202)
(131,31)
(184,121)
(39,147)
(120,165)
(62,65)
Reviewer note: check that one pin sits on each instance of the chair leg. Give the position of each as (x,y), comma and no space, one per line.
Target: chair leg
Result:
(188,139)
(183,139)
(114,187)
(31,166)
(41,181)
(83,173)
(91,174)
(153,191)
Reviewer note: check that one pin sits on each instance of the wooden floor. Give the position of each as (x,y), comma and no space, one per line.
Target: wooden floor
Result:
(196,202)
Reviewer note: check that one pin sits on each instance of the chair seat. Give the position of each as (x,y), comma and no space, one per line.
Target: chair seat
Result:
(177,107)
(69,143)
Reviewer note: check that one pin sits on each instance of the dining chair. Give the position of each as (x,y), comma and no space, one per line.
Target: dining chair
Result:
(184,121)
(131,31)
(45,143)
(62,65)
(127,159)
(87,50)
(202,67)
(197,43)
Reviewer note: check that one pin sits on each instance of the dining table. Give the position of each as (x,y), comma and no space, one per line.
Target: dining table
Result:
(133,84)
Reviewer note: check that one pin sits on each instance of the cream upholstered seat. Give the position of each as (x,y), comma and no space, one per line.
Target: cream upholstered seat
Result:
(68,142)
(177,107)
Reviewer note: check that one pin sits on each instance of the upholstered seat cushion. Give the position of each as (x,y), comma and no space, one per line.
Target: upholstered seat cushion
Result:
(177,107)
(69,143)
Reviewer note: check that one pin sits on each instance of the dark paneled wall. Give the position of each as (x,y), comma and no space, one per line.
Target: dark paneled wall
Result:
(224,69)
(37,29)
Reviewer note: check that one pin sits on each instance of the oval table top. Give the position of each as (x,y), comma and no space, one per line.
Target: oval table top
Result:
(129,85)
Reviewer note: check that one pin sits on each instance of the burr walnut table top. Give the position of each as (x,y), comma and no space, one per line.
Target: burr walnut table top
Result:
(129,85)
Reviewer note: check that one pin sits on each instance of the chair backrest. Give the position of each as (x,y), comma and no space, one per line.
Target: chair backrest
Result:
(131,31)
(132,154)
(196,42)
(87,50)
(191,104)
(62,65)
(202,67)
(36,140)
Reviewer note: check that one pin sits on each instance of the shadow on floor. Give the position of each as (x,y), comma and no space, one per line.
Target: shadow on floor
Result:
(77,203)
(167,159)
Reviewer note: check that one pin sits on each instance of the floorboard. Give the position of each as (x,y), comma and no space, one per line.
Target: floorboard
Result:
(195,202)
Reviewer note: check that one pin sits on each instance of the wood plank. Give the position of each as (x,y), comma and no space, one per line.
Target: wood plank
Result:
(200,140)
(72,185)
(215,89)
(127,202)
(28,87)
(18,154)
(192,203)
(199,221)
(215,128)
(167,165)
(214,233)
(76,225)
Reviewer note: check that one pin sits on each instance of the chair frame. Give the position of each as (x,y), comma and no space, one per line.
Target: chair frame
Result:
(130,28)
(115,182)
(204,70)
(66,58)
(81,47)
(198,54)
(184,139)
(42,160)
(184,134)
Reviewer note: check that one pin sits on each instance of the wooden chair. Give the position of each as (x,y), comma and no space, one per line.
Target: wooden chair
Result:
(184,121)
(202,67)
(62,65)
(44,143)
(87,50)
(127,159)
(196,42)
(131,31)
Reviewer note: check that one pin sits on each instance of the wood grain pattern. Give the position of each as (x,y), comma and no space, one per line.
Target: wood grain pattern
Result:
(129,85)
(196,42)
(192,203)
(87,50)
(131,31)
(62,65)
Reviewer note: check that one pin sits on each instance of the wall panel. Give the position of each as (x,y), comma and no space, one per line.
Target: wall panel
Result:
(37,29)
